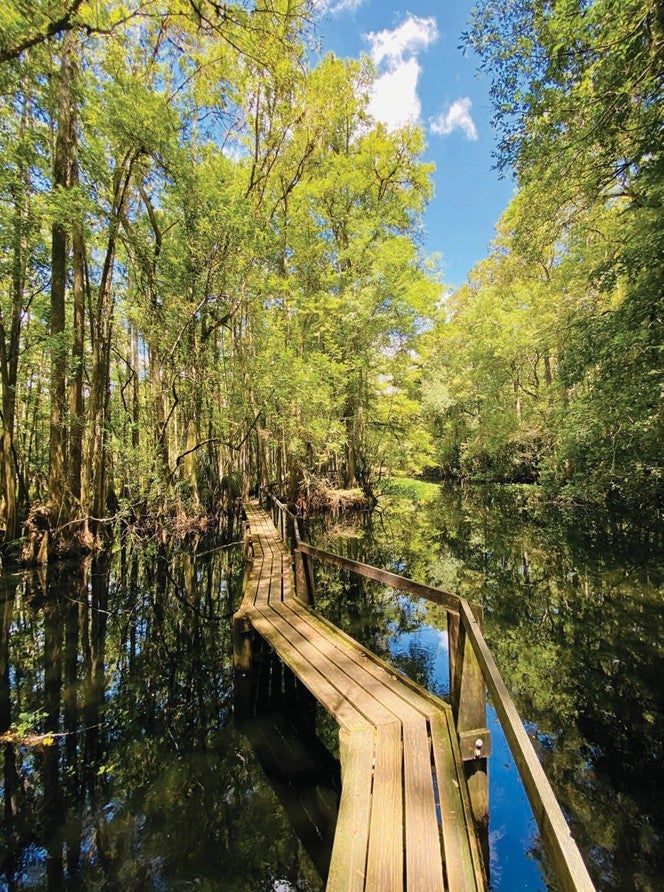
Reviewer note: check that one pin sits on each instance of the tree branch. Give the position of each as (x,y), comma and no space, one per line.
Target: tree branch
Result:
(64,23)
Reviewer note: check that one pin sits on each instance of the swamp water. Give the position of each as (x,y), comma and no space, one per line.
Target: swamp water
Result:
(574,616)
(143,779)
(133,774)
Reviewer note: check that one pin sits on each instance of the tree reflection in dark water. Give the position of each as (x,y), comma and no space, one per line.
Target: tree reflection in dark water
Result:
(117,676)
(573,614)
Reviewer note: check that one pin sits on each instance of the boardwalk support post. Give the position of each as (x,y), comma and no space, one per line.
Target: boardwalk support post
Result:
(243,663)
(243,659)
(468,699)
(303,578)
(304,567)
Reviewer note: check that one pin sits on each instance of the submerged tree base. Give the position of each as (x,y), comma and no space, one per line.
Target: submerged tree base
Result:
(172,524)
(320,496)
(44,541)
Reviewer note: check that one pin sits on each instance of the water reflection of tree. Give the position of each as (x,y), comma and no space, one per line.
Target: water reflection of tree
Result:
(11,833)
(128,665)
(573,613)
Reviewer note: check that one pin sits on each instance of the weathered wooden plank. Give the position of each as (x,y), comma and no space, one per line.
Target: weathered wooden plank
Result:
(287,580)
(352,662)
(385,864)
(351,840)
(393,580)
(425,703)
(462,867)
(571,872)
(261,525)
(363,701)
(424,862)
(264,582)
(336,703)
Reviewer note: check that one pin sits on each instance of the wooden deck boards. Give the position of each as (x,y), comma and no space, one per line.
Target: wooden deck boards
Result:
(403,821)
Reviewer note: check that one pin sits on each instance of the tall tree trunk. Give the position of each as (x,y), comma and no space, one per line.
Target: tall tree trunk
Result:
(76,401)
(548,373)
(135,391)
(189,463)
(95,483)
(156,371)
(157,389)
(9,346)
(517,400)
(191,424)
(61,180)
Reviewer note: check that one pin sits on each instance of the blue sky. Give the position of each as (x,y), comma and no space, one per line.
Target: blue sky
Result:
(423,76)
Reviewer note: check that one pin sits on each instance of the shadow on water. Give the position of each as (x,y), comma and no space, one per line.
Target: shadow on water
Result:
(573,615)
(122,766)
(279,717)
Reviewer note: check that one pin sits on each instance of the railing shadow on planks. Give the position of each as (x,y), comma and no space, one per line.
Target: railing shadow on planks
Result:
(473,671)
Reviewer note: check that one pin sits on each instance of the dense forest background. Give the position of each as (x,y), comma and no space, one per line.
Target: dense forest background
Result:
(211,274)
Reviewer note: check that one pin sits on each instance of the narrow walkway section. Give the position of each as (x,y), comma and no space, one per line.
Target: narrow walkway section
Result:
(404,817)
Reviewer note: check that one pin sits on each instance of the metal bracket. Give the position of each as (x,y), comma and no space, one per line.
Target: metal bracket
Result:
(475,744)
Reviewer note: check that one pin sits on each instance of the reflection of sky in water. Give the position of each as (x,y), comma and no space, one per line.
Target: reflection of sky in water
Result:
(512,827)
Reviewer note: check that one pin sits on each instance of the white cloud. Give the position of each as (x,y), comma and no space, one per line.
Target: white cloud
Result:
(413,35)
(394,99)
(336,7)
(456,117)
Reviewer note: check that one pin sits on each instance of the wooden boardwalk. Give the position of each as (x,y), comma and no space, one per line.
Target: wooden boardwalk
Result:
(404,818)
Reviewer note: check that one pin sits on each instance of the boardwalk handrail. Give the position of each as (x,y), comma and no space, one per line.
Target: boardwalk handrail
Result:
(568,865)
(450,602)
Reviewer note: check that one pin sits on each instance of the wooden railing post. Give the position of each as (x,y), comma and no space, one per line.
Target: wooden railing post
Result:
(468,699)
(302,584)
(310,578)
(287,526)
(570,870)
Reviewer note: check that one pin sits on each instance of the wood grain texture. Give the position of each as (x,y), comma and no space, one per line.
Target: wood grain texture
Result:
(348,865)
(457,825)
(423,856)
(385,862)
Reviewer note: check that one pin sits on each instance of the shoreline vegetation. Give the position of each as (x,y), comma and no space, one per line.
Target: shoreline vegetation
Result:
(174,526)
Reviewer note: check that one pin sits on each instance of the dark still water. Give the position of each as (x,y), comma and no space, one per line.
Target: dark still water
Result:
(573,613)
(123,766)
(144,782)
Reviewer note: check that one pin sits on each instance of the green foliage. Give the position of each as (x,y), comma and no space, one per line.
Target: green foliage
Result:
(247,243)
(28,722)
(547,364)
(409,488)
(576,87)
